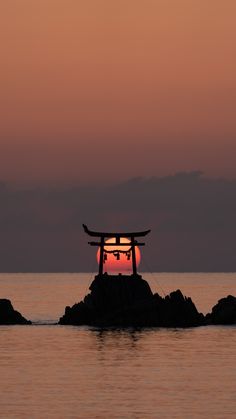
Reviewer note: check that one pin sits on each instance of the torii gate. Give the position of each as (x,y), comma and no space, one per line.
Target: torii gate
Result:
(133,243)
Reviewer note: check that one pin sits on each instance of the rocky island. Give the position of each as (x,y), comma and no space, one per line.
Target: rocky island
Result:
(10,316)
(127,301)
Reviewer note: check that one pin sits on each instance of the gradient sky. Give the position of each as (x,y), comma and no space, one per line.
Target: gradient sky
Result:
(106,90)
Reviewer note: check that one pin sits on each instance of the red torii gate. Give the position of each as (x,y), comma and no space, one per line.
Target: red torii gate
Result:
(133,243)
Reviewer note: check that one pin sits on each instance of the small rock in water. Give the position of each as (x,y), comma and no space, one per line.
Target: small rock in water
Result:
(224,312)
(10,316)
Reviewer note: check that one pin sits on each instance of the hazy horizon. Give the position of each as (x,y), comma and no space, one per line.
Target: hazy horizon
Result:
(192,218)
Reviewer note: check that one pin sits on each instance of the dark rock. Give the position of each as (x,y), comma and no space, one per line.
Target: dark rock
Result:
(10,316)
(224,312)
(175,310)
(123,300)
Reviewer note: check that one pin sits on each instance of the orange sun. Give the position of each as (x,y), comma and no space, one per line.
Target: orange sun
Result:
(123,264)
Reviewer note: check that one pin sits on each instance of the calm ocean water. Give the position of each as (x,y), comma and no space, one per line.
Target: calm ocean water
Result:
(50,371)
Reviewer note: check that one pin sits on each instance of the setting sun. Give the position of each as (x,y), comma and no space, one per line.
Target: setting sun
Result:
(123,262)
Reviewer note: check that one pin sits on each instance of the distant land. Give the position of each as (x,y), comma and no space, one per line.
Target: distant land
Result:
(192,218)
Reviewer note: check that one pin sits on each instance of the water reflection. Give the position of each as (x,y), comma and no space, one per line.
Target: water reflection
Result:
(117,337)
(59,372)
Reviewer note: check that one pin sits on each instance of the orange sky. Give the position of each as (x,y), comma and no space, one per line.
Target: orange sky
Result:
(92,88)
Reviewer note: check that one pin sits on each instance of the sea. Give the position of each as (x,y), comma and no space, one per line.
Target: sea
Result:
(65,372)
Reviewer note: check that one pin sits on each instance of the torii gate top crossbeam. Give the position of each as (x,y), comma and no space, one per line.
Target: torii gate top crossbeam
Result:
(100,234)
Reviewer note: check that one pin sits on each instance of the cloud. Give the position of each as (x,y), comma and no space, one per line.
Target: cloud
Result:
(192,220)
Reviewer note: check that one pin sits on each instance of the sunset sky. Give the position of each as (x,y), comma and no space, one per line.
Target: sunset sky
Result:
(104,90)
(120,115)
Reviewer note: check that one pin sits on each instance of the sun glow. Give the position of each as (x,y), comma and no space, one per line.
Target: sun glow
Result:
(123,263)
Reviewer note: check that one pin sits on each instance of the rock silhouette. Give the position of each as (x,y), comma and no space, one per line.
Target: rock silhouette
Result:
(224,312)
(127,301)
(10,316)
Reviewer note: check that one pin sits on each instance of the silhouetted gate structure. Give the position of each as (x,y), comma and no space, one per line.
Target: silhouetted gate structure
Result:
(116,252)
